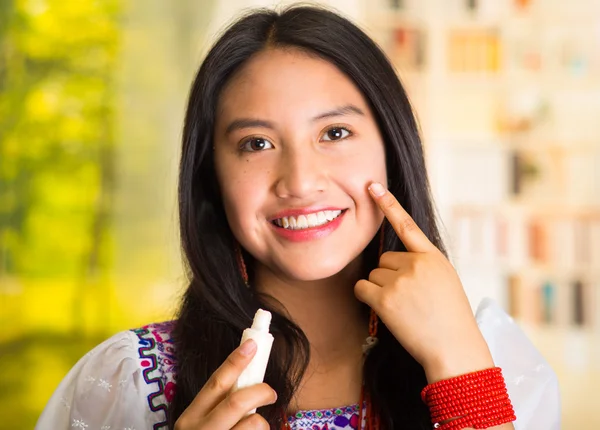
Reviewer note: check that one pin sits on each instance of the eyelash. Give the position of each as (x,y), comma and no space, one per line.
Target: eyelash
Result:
(250,139)
(342,127)
(327,130)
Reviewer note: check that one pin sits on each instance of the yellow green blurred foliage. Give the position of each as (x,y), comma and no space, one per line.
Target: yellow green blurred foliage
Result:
(92,94)
(56,142)
(58,106)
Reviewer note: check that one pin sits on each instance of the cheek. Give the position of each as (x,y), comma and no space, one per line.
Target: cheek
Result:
(243,196)
(235,206)
(369,167)
(369,156)
(362,168)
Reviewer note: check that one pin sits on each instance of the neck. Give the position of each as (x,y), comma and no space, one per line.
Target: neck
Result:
(336,326)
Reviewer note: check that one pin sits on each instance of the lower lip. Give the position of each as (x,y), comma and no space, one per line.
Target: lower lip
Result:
(310,233)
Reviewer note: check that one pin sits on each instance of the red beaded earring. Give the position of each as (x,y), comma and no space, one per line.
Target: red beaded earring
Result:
(241,264)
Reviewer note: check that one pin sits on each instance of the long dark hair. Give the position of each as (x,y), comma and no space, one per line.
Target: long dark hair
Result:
(217,305)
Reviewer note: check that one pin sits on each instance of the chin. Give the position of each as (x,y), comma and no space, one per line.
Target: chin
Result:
(312,270)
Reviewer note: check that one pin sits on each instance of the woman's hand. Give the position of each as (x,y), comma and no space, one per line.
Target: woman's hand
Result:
(216,408)
(419,297)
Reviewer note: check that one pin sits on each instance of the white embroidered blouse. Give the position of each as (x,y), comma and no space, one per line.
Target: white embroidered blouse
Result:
(126,382)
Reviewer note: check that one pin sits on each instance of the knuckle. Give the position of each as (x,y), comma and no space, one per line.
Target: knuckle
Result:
(235,401)
(360,289)
(389,202)
(386,258)
(407,225)
(420,263)
(258,422)
(386,303)
(216,383)
(182,423)
(231,361)
(397,285)
(414,265)
(270,394)
(360,284)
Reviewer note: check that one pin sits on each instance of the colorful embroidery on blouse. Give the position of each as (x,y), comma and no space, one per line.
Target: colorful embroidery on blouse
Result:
(345,418)
(157,358)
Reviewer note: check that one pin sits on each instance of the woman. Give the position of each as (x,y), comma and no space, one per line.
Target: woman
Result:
(303,191)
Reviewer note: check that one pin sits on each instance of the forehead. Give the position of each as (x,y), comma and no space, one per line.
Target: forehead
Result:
(276,82)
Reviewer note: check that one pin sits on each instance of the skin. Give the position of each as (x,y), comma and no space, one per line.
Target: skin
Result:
(417,294)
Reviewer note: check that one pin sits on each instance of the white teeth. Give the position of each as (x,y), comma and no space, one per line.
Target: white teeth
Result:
(306,221)
(302,222)
(321,219)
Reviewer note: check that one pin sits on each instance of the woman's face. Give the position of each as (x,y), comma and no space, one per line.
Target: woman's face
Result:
(296,147)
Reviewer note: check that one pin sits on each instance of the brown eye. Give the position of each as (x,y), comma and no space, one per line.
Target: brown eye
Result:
(256,144)
(335,133)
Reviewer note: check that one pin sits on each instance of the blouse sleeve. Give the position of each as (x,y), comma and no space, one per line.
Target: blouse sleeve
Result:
(105,390)
(532,385)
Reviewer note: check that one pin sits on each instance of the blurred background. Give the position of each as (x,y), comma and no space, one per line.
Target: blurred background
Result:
(92,96)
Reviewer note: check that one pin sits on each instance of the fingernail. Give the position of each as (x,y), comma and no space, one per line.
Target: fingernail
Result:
(377,189)
(248,347)
(274,396)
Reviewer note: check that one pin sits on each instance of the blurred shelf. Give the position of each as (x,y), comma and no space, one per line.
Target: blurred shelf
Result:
(526,208)
(504,92)
(505,144)
(535,270)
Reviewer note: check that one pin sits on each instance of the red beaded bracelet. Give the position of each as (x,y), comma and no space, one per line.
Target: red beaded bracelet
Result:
(478,400)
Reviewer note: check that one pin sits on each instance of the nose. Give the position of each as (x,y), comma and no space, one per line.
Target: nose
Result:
(301,174)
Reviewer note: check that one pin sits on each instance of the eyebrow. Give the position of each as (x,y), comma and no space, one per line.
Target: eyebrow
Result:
(242,123)
(341,111)
(255,122)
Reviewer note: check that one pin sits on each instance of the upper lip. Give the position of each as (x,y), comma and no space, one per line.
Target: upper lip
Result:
(303,211)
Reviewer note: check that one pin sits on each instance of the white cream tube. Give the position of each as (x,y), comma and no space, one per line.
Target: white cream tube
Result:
(259,332)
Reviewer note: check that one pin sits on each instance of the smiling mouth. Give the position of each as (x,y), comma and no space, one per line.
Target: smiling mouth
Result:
(303,222)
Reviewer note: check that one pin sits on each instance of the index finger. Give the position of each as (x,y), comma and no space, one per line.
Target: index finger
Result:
(405,227)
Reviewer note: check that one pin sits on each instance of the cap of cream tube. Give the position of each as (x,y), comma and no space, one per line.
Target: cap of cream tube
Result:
(254,373)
